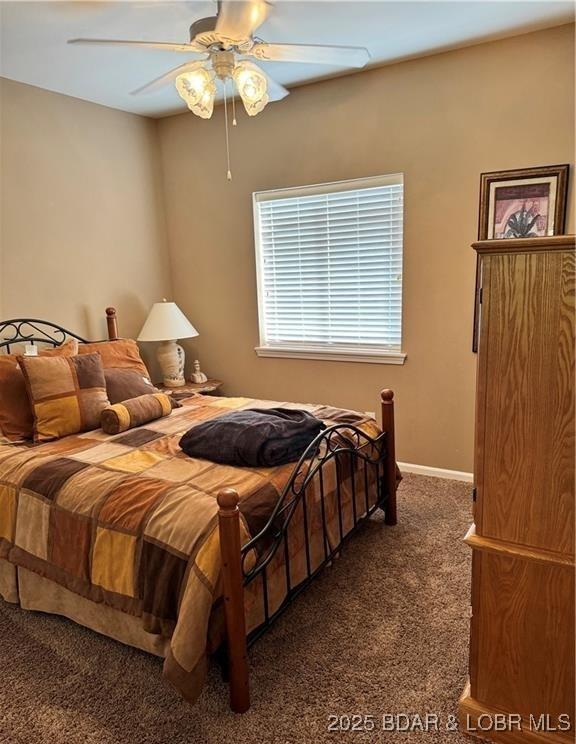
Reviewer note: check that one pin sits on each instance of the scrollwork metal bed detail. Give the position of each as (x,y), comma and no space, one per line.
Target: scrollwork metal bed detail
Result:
(35,331)
(342,443)
(339,441)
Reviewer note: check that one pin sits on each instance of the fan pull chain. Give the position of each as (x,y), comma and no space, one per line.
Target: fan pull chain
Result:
(234,123)
(229,172)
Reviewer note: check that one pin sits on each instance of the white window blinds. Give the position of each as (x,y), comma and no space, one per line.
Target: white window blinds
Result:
(329,262)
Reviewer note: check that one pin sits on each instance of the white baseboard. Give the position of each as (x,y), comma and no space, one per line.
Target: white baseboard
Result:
(458,475)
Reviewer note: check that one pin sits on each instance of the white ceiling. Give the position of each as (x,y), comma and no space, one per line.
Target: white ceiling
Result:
(33,38)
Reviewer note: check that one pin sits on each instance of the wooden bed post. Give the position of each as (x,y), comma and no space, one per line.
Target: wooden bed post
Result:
(387,399)
(112,322)
(233,584)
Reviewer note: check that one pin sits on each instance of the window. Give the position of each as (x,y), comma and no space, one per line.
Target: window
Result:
(329,265)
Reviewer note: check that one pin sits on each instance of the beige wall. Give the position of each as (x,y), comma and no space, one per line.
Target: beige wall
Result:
(441,120)
(82,222)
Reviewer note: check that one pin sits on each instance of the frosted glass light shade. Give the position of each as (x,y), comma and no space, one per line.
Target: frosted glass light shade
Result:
(166,322)
(198,90)
(252,86)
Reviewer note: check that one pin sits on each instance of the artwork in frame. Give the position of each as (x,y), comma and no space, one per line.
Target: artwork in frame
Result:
(524,203)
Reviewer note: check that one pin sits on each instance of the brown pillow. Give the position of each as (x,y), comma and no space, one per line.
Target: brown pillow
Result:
(121,354)
(123,384)
(67,394)
(16,419)
(135,412)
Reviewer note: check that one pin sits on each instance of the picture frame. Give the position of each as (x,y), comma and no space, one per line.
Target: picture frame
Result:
(530,202)
(520,203)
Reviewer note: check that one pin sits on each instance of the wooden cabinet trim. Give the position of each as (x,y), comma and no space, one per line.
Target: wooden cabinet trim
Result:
(470,710)
(525,245)
(514,550)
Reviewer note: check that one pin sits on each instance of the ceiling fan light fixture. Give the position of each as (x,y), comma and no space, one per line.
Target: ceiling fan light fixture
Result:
(252,87)
(223,42)
(198,90)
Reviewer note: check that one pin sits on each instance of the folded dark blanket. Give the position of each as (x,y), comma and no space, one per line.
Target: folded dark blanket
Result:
(253,438)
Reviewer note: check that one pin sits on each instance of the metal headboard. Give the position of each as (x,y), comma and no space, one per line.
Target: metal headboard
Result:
(35,331)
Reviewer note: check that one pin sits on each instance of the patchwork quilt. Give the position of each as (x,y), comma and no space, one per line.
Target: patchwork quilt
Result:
(129,521)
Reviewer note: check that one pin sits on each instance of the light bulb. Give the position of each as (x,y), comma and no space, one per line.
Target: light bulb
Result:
(198,90)
(252,86)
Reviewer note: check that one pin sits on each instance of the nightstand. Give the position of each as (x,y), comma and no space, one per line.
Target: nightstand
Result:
(185,391)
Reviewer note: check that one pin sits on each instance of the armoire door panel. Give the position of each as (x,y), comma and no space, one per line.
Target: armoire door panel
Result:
(527,458)
(524,619)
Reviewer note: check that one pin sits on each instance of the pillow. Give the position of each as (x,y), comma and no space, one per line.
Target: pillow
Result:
(67,394)
(16,419)
(123,384)
(135,412)
(121,354)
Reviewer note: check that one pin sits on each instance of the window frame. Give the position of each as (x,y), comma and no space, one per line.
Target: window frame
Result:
(305,350)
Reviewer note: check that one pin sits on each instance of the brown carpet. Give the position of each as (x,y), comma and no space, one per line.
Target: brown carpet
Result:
(385,630)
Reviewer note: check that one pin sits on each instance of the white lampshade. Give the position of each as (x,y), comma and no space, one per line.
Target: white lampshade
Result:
(166,322)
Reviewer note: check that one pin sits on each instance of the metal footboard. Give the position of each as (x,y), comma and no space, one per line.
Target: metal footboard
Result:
(243,564)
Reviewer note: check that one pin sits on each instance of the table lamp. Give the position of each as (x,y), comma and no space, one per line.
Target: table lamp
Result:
(167,323)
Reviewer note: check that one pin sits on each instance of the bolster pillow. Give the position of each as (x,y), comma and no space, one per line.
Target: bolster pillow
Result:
(135,412)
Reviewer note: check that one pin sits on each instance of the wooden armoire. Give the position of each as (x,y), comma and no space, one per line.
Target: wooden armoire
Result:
(522,628)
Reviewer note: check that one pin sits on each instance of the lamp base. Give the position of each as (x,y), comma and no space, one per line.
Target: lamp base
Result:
(171,358)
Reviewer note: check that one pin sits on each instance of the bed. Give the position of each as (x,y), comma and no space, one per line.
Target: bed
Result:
(182,557)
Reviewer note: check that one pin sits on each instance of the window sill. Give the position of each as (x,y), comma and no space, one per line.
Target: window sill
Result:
(341,355)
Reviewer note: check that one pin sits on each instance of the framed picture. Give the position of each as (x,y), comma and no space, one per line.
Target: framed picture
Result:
(527,203)
(524,203)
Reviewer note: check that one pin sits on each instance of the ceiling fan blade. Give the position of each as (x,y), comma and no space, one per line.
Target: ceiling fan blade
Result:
(238,19)
(166,45)
(276,92)
(343,56)
(167,77)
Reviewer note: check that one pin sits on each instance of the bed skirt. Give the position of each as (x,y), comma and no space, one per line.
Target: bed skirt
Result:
(8,582)
(34,592)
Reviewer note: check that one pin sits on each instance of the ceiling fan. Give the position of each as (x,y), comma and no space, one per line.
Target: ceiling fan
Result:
(224,47)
